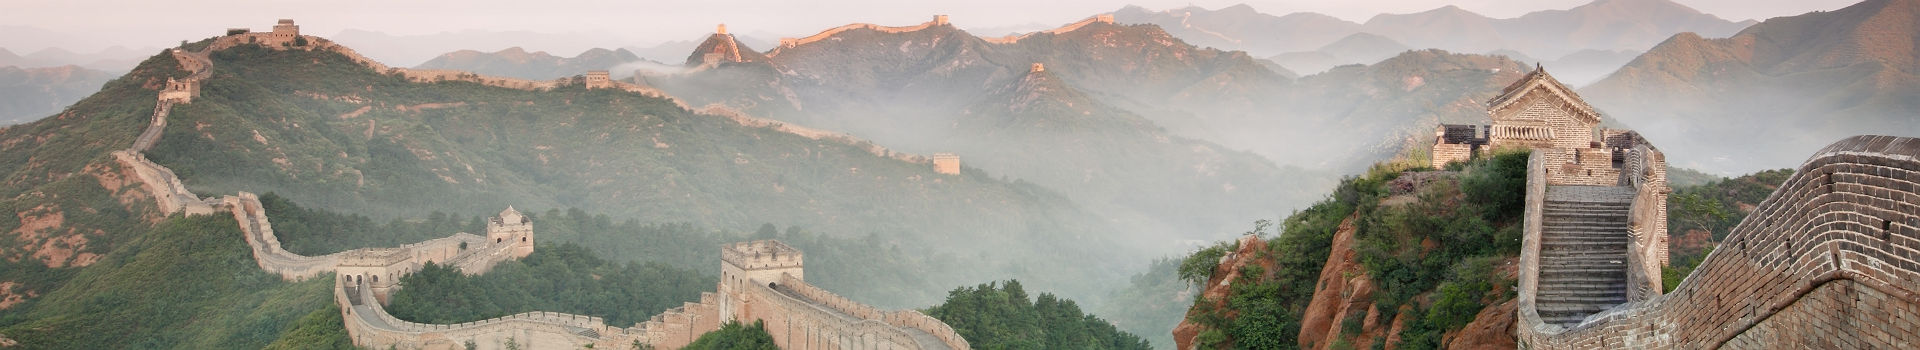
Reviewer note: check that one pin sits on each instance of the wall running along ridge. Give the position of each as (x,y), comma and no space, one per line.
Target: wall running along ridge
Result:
(1828,261)
(365,276)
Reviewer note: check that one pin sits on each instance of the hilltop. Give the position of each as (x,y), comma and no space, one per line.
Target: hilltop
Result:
(1798,82)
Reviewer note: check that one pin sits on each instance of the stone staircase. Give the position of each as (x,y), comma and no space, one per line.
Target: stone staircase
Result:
(1583,259)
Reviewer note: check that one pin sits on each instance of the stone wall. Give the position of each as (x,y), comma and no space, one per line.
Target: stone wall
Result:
(829,33)
(798,323)
(365,276)
(1070,27)
(1829,258)
(1444,153)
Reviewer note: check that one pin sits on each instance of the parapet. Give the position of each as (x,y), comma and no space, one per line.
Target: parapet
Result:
(375,257)
(764,254)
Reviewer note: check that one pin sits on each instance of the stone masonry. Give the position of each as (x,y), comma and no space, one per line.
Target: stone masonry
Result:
(1596,220)
(1830,260)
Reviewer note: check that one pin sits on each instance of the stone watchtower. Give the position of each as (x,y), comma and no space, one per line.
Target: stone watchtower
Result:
(511,229)
(180,91)
(284,32)
(946,163)
(599,79)
(753,264)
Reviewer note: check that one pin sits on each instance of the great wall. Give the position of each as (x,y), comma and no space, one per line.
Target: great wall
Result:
(761,280)
(1827,261)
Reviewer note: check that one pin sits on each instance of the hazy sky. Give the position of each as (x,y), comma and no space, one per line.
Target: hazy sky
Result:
(87,25)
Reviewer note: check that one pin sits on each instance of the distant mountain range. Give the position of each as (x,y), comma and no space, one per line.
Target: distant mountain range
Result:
(28,94)
(1301,41)
(116,59)
(1124,118)
(538,65)
(936,88)
(1765,96)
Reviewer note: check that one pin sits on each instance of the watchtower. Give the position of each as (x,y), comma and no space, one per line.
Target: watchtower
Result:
(1037,67)
(284,32)
(180,91)
(940,20)
(721,29)
(511,231)
(599,79)
(745,265)
(378,269)
(946,163)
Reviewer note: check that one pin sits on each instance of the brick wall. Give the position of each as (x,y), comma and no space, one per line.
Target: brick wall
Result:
(1830,255)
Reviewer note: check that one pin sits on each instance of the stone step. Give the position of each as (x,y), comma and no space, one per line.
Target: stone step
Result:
(1563,320)
(1596,235)
(1583,279)
(1584,212)
(1585,209)
(1586,204)
(1566,298)
(1586,288)
(1585,221)
(1562,260)
(1568,243)
(1605,274)
(1585,235)
(1563,308)
(1584,244)
(1585,226)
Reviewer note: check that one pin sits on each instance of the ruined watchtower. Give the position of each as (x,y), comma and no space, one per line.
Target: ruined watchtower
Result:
(180,91)
(756,263)
(511,229)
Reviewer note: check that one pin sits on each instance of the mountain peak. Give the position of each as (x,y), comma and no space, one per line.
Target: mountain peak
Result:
(722,47)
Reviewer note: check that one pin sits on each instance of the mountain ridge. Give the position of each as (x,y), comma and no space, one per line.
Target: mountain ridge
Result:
(1800,81)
